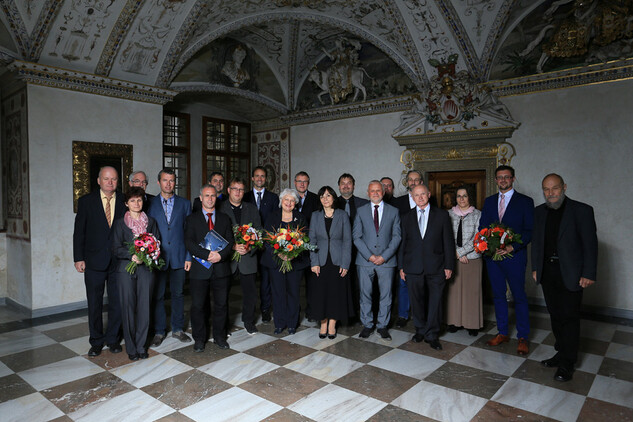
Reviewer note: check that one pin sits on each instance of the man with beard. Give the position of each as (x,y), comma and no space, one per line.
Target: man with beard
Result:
(387,184)
(564,261)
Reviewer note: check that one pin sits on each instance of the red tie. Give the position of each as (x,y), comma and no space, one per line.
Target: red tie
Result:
(376,225)
(210,214)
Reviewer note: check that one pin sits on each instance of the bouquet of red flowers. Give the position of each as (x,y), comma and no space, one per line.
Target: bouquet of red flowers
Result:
(146,248)
(247,235)
(496,236)
(287,245)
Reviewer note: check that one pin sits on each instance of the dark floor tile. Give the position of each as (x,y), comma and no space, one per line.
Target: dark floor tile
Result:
(280,352)
(64,418)
(449,350)
(467,380)
(509,348)
(392,413)
(211,353)
(285,415)
(74,395)
(623,337)
(377,383)
(12,387)
(108,360)
(175,417)
(533,371)
(349,330)
(268,328)
(283,386)
(541,323)
(69,333)
(33,358)
(615,368)
(356,349)
(587,345)
(497,412)
(598,410)
(186,389)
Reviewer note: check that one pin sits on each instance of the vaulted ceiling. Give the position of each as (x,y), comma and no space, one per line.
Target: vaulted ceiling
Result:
(182,44)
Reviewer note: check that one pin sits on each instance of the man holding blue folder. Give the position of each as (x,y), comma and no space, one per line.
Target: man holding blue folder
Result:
(216,277)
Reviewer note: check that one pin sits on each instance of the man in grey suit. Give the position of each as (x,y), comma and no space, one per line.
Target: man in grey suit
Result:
(240,213)
(376,236)
(564,261)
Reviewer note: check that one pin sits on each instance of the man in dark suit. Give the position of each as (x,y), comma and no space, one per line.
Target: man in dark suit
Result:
(376,234)
(308,201)
(216,277)
(91,251)
(516,211)
(266,202)
(564,261)
(426,259)
(216,179)
(170,211)
(240,213)
(139,178)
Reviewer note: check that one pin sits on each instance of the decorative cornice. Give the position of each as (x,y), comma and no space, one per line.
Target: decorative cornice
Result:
(86,82)
(586,75)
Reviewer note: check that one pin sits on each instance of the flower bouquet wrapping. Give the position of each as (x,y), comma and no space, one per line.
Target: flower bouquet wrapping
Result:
(287,245)
(496,236)
(247,235)
(146,248)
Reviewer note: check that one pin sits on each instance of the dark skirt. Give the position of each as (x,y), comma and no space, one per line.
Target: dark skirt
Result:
(330,294)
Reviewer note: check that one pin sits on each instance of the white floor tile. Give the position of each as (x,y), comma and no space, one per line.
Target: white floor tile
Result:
(620,351)
(80,345)
(4,370)
(612,390)
(32,408)
(310,338)
(324,366)
(407,363)
(59,373)
(148,371)
(241,340)
(238,368)
(231,405)
(170,343)
(397,338)
(597,330)
(487,360)
(21,340)
(129,407)
(61,324)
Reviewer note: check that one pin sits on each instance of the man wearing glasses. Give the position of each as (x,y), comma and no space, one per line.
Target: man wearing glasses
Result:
(516,211)
(139,178)
(308,201)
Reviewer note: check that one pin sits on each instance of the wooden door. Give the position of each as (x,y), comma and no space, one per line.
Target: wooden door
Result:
(444,184)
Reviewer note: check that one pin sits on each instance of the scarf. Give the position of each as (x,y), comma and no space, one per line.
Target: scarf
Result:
(457,210)
(138,225)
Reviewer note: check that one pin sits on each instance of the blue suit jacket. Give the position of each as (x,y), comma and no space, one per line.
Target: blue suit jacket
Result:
(172,234)
(519,216)
(368,243)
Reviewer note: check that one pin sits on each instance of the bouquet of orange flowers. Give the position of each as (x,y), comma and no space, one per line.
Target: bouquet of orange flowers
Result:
(247,235)
(146,248)
(287,245)
(496,236)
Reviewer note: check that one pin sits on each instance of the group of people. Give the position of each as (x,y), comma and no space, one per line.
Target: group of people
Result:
(358,242)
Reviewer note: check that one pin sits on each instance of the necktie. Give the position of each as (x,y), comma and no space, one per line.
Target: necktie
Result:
(210,215)
(347,210)
(502,206)
(108,211)
(301,203)
(421,223)
(376,224)
(259,200)
(459,241)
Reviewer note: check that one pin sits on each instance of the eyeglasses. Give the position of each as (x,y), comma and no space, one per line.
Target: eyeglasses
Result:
(237,189)
(504,177)
(142,182)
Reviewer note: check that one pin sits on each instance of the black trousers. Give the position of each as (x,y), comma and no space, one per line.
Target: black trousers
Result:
(426,293)
(286,288)
(96,282)
(249,296)
(563,306)
(136,298)
(199,289)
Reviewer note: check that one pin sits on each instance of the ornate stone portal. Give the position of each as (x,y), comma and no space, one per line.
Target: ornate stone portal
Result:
(455,125)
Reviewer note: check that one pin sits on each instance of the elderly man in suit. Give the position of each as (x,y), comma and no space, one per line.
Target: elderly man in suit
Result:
(267,202)
(240,212)
(216,277)
(96,212)
(170,211)
(376,235)
(139,179)
(426,259)
(564,262)
(516,211)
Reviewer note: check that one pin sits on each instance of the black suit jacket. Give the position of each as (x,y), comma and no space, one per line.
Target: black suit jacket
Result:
(433,254)
(354,203)
(146,201)
(196,228)
(311,203)
(577,243)
(91,237)
(270,203)
(249,214)
(272,224)
(122,234)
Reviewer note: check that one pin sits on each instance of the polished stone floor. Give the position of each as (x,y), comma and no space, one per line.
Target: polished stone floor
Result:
(46,375)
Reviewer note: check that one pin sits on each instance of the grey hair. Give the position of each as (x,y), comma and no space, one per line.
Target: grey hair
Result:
(288,192)
(137,172)
(208,185)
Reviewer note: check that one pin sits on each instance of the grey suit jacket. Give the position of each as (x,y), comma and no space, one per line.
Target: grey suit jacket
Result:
(385,243)
(250,214)
(338,244)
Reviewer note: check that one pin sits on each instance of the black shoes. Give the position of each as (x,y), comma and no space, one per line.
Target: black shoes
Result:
(251,329)
(453,329)
(366,332)
(180,335)
(143,355)
(133,357)
(221,343)
(95,351)
(473,333)
(292,330)
(401,322)
(198,347)
(115,348)
(551,362)
(278,331)
(563,374)
(331,336)
(435,344)
(384,333)
(418,338)
(158,340)
(266,316)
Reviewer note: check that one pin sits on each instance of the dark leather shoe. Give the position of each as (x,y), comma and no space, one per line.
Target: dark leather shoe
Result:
(384,334)
(143,355)
(278,331)
(221,343)
(473,333)
(401,322)
(418,338)
(523,348)
(497,340)
(366,332)
(198,347)
(435,344)
(292,330)
(551,362)
(563,374)
(95,351)
(133,357)
(115,348)
(331,336)
(453,329)
(265,316)
(251,329)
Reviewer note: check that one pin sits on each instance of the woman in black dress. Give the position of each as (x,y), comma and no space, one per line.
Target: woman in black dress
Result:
(331,232)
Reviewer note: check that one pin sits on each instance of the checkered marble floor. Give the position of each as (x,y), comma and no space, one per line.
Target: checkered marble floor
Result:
(45,375)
